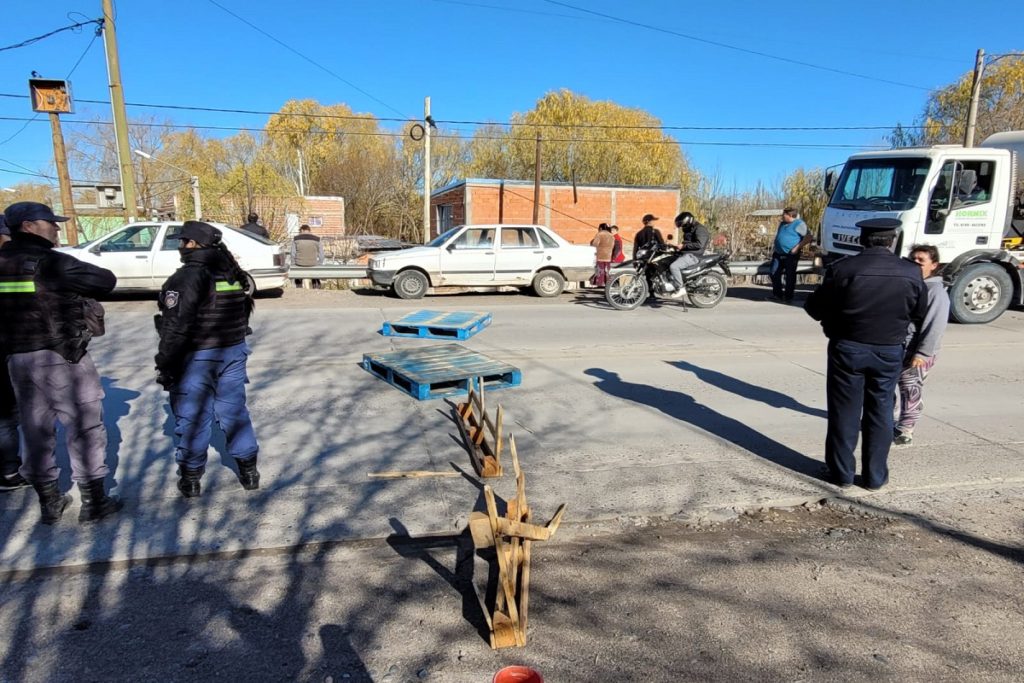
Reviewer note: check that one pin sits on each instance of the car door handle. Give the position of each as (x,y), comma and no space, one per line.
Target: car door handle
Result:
(488,253)
(142,256)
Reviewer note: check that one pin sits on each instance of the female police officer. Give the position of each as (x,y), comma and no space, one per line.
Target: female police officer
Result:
(204,317)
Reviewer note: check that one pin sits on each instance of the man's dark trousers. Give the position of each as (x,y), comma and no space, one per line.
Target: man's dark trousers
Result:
(784,264)
(861,375)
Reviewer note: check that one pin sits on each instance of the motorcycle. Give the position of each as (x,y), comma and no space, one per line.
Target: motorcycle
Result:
(630,283)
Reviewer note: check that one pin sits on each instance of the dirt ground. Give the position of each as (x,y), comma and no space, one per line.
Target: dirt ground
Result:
(819,593)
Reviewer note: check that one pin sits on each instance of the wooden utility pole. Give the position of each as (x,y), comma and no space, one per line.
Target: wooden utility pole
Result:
(427,121)
(124,151)
(972,111)
(536,182)
(67,200)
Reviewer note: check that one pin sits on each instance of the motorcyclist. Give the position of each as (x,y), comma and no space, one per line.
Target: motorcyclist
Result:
(693,240)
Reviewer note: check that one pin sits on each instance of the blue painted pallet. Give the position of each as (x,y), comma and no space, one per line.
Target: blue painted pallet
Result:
(438,371)
(460,325)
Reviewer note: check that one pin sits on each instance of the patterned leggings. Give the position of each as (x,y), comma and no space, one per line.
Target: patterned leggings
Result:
(911,403)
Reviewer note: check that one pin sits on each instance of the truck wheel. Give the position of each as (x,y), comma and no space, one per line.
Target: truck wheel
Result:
(410,284)
(980,294)
(548,283)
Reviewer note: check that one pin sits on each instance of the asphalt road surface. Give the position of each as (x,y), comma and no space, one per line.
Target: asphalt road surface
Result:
(651,419)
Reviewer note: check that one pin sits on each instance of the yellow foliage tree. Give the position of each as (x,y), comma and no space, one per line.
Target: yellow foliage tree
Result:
(582,139)
(1000,107)
(803,191)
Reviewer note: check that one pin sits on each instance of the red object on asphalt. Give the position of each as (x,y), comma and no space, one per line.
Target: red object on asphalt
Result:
(518,674)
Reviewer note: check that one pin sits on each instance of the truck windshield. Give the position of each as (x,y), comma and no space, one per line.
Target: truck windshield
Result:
(889,184)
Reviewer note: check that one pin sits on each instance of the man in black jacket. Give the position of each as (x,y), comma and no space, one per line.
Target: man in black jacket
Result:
(203,321)
(254,227)
(693,240)
(43,334)
(866,303)
(647,234)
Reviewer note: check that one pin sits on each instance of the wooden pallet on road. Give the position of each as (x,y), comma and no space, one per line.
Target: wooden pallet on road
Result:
(512,538)
(480,432)
(458,325)
(440,371)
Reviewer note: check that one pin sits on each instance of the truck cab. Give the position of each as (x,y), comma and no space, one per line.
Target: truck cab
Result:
(962,200)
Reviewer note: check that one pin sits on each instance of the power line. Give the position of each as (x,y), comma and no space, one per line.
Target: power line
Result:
(736,48)
(99,31)
(72,27)
(510,124)
(308,59)
(782,145)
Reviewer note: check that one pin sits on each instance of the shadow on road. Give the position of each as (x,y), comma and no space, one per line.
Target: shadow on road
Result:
(769,397)
(684,408)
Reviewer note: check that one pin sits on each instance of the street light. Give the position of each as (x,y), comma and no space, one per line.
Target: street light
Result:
(193,179)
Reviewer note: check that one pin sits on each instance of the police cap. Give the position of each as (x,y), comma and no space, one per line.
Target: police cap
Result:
(648,218)
(202,233)
(885,227)
(19,212)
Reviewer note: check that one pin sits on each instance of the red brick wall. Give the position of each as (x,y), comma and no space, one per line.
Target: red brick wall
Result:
(456,198)
(623,206)
(331,211)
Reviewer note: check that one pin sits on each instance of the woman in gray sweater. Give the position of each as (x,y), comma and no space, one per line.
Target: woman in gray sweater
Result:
(923,345)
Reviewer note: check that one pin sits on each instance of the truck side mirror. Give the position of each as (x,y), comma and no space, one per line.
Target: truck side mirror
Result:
(826,186)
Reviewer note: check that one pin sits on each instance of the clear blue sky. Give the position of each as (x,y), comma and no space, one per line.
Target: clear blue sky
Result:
(487,59)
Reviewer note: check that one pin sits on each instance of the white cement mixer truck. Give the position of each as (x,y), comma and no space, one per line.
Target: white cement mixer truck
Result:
(967,201)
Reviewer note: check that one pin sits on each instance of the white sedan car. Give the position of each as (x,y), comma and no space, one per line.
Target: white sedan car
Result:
(143,255)
(485,256)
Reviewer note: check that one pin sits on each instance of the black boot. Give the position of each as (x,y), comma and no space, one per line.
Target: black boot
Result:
(51,502)
(248,474)
(96,504)
(188,481)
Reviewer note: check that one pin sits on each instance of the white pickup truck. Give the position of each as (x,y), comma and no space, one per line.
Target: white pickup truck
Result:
(485,256)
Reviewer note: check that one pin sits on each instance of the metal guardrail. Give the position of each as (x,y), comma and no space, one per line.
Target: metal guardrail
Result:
(749,268)
(358,272)
(328,272)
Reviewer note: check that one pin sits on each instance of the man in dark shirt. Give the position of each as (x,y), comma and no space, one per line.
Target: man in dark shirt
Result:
(647,234)
(254,227)
(866,304)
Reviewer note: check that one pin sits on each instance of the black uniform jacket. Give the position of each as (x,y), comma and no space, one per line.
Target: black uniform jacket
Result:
(199,309)
(41,296)
(870,298)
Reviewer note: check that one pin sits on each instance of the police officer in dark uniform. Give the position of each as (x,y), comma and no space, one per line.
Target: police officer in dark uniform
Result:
(865,304)
(43,336)
(203,321)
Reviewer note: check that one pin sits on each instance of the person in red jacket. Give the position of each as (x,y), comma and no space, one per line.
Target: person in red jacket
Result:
(618,252)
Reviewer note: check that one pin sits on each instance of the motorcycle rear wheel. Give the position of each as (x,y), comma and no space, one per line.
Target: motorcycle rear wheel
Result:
(625,290)
(708,290)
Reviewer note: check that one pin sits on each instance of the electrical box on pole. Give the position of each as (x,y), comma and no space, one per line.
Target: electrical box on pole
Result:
(53,97)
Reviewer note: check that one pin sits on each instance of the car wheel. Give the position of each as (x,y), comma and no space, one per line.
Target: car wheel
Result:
(548,283)
(410,284)
(980,294)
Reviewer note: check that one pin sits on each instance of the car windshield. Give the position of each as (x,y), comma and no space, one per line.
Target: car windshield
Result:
(889,184)
(442,238)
